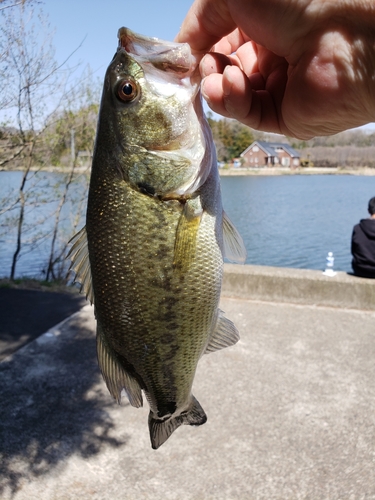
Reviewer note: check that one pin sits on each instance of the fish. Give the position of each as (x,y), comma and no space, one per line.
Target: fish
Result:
(150,257)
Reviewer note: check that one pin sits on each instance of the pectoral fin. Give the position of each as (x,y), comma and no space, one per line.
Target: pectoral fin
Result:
(79,255)
(114,374)
(234,247)
(224,335)
(186,234)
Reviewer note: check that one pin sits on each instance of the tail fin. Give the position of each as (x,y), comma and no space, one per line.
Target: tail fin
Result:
(160,430)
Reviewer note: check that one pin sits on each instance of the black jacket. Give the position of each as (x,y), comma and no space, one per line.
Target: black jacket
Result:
(363,248)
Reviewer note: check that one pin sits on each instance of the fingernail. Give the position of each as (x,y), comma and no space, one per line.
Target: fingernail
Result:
(204,95)
(201,66)
(202,88)
(227,81)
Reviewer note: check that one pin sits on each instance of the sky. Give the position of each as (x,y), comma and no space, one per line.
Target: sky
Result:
(95,24)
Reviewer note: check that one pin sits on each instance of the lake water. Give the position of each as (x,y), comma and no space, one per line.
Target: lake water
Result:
(285,221)
(294,221)
(44,191)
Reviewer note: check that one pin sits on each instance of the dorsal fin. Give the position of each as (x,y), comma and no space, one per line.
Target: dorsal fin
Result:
(79,255)
(234,247)
(224,335)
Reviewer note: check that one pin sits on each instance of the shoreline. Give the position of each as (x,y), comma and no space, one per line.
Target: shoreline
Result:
(238,171)
(57,170)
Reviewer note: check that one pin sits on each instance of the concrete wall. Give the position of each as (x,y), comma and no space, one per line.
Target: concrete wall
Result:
(299,286)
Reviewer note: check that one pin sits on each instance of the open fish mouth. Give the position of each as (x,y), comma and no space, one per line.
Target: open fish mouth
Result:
(163,55)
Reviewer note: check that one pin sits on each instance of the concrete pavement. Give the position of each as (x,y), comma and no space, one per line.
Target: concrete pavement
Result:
(291,415)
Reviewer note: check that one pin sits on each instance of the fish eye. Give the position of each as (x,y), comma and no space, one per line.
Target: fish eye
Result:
(127,90)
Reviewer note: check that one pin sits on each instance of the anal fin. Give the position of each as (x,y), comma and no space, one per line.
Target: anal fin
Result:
(161,430)
(224,335)
(115,375)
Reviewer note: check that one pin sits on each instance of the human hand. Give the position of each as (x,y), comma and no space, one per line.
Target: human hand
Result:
(296,67)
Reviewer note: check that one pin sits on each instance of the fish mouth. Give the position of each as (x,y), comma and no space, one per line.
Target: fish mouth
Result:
(163,55)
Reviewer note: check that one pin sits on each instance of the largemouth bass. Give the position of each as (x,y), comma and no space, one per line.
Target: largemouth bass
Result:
(151,255)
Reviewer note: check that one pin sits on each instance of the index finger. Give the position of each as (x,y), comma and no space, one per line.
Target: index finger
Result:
(230,43)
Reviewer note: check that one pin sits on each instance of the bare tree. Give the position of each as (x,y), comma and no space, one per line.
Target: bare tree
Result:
(32,90)
(8,4)
(78,122)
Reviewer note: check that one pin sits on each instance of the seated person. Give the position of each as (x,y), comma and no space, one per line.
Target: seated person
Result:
(363,245)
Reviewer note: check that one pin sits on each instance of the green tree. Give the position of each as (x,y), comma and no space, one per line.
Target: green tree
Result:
(231,137)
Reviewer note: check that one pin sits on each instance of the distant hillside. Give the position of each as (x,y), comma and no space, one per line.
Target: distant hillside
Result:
(340,156)
(352,148)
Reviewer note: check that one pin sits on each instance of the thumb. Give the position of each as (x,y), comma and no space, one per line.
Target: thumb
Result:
(205,24)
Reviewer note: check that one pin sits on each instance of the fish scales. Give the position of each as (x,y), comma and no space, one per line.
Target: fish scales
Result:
(137,284)
(150,257)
